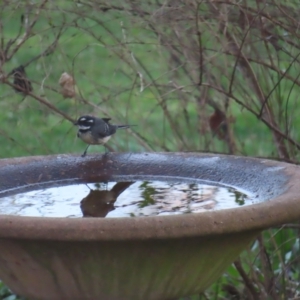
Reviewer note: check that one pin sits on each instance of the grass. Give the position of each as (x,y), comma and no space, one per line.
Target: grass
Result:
(166,69)
(104,79)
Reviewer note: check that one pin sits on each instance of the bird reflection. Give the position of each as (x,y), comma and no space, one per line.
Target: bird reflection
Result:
(98,203)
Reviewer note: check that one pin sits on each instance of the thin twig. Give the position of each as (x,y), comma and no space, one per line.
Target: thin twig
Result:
(42,101)
(248,282)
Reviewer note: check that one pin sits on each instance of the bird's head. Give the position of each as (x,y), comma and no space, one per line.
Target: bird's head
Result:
(85,122)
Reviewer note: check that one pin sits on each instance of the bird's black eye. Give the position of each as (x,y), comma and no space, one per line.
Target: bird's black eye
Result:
(86,121)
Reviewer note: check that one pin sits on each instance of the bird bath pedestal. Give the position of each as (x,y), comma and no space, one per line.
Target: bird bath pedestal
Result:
(163,257)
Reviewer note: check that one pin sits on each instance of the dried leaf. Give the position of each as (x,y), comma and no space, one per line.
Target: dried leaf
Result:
(67,83)
(21,82)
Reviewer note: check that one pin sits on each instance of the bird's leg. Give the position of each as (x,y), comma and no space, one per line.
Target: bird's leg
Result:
(106,151)
(84,153)
(88,187)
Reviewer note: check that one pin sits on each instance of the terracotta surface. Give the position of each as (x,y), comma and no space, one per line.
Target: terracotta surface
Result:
(136,258)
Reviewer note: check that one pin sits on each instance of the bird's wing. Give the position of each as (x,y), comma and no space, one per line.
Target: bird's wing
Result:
(105,129)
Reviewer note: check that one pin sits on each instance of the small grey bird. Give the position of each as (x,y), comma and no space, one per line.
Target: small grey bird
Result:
(96,131)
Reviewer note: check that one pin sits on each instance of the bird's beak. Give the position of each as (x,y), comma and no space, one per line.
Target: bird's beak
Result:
(75,123)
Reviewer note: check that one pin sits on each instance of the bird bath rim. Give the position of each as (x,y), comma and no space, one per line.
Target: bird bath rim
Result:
(282,178)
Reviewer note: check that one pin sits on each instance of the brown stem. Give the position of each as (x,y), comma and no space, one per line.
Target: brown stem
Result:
(248,282)
(269,277)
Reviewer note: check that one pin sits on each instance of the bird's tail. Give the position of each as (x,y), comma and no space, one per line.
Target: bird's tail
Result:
(124,126)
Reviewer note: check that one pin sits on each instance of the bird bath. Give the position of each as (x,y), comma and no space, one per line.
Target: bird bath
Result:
(155,257)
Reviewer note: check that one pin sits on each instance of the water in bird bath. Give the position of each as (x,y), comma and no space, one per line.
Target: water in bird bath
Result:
(124,199)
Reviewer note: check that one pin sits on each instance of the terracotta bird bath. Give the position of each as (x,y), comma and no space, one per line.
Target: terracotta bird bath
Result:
(162,257)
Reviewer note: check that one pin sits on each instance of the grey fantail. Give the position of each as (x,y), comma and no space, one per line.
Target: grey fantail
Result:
(96,131)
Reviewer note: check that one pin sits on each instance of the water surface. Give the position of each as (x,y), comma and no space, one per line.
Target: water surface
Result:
(137,199)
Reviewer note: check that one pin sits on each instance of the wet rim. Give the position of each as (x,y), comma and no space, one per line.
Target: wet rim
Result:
(276,181)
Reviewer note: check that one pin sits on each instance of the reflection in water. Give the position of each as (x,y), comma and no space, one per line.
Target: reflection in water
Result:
(98,203)
(240,198)
(124,199)
(147,193)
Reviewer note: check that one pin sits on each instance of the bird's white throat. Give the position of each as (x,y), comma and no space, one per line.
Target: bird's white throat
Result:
(81,127)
